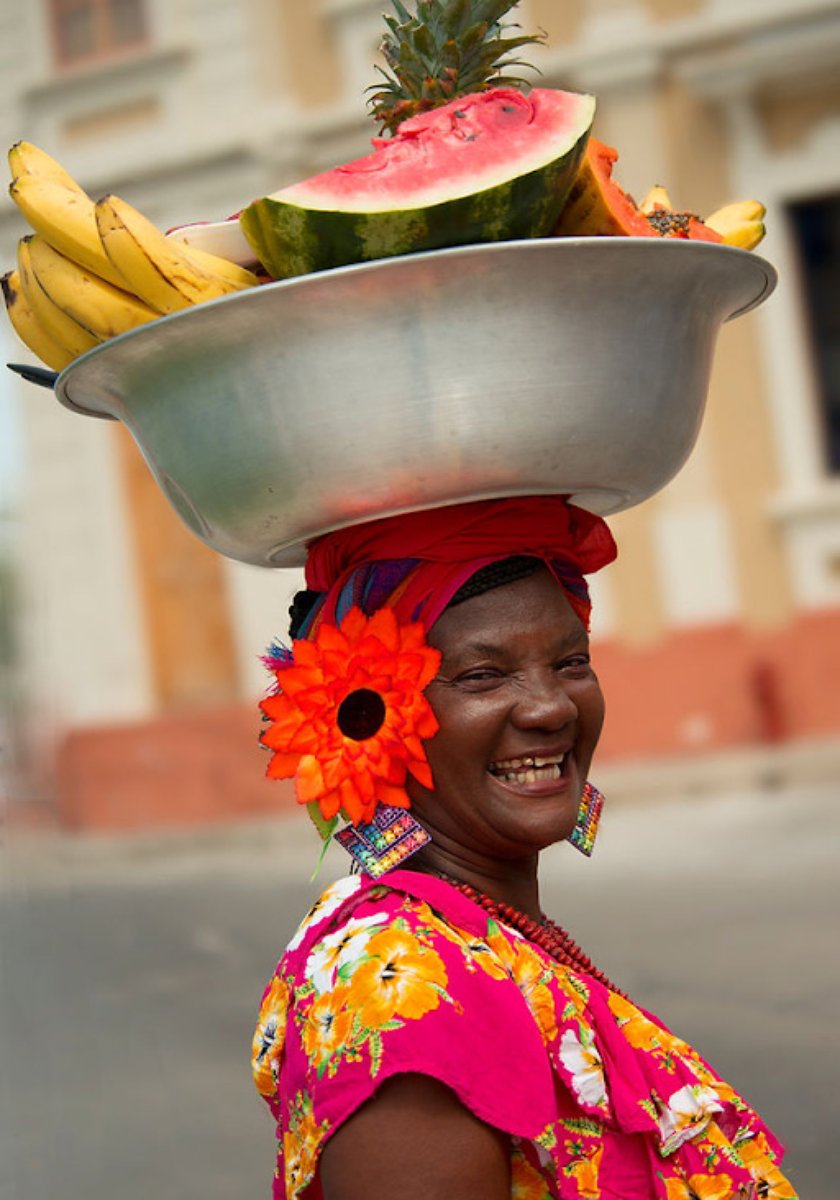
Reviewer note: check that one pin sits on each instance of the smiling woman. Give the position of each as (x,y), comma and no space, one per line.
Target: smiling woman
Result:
(520,712)
(428,1023)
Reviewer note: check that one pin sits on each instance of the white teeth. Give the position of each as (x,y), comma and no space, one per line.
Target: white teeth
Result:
(552,771)
(518,766)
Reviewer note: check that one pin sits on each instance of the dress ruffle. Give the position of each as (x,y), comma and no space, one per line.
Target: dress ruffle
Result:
(601,1100)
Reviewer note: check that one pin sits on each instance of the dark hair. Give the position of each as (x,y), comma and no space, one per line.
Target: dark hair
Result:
(302,606)
(496,574)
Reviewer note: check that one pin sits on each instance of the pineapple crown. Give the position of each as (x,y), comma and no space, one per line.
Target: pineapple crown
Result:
(450,48)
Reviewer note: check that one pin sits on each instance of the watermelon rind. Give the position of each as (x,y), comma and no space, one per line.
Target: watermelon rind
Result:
(296,232)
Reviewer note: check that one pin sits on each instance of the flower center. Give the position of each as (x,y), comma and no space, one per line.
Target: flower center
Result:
(361,714)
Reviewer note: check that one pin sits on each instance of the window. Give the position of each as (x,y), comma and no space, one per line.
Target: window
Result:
(91,29)
(816,225)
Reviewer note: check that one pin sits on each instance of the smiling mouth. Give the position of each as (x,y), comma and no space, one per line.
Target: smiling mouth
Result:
(529,769)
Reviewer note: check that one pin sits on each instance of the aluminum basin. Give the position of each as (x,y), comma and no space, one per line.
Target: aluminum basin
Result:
(577,366)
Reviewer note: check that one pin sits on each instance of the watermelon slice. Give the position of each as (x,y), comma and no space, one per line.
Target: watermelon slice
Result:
(487,167)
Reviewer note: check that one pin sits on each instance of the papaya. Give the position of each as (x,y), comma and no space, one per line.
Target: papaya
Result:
(599,207)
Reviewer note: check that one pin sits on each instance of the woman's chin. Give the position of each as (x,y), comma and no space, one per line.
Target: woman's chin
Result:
(537,820)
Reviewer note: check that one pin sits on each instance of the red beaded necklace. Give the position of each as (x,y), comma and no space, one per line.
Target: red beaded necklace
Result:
(547,934)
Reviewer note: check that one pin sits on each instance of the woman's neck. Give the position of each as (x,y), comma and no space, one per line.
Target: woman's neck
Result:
(513,882)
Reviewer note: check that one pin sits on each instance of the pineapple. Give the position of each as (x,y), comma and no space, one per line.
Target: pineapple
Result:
(450,48)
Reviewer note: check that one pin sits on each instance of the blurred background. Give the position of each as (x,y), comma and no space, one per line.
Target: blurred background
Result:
(129,651)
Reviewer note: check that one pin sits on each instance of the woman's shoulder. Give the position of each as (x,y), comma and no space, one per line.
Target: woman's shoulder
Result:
(394,978)
(355,909)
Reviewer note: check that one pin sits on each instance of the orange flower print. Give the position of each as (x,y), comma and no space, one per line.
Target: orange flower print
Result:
(758,1157)
(326,1029)
(639,1030)
(527,1182)
(349,718)
(530,974)
(476,951)
(398,978)
(269,1037)
(585,1169)
(701,1187)
(501,945)
(479,954)
(511,949)
(301,1144)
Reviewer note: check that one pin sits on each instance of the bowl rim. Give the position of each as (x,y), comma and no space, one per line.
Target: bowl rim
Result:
(73,375)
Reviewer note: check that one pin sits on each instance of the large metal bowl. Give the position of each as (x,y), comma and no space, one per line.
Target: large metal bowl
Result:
(576,366)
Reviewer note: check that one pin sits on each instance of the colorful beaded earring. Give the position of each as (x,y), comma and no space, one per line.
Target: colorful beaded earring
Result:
(585,831)
(384,843)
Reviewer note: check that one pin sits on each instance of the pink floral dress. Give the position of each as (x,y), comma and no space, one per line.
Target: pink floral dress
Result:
(601,1102)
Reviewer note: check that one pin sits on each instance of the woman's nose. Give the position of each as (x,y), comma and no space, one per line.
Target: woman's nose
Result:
(545,703)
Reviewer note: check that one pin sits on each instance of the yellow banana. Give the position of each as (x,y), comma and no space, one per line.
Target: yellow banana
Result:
(656,198)
(64,216)
(58,324)
(103,310)
(26,159)
(29,329)
(740,224)
(160,271)
(226,270)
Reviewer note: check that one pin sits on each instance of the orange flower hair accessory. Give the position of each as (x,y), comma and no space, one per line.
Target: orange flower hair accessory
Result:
(349,718)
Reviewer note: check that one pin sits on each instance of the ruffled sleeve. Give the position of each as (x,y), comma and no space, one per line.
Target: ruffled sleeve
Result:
(376,984)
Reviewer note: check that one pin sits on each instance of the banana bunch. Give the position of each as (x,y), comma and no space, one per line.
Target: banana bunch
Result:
(740,224)
(90,272)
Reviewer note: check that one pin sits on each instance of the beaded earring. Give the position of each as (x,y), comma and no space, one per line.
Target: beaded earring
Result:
(585,831)
(385,842)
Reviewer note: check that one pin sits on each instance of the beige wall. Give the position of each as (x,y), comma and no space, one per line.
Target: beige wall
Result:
(308,54)
(187,142)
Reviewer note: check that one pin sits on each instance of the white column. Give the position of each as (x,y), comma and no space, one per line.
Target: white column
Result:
(83,639)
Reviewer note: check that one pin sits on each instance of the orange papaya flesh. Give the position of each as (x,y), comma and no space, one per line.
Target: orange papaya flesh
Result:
(681,225)
(598,207)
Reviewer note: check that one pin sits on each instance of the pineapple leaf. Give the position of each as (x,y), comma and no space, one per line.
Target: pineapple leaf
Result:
(473,38)
(449,48)
(424,42)
(459,14)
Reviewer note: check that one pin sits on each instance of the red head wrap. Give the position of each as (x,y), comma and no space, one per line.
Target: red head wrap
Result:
(440,549)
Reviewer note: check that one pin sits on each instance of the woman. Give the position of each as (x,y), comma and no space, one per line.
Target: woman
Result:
(428,1032)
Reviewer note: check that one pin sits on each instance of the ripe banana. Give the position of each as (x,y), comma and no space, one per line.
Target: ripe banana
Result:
(740,224)
(26,159)
(657,198)
(64,216)
(58,324)
(161,272)
(103,310)
(226,270)
(29,329)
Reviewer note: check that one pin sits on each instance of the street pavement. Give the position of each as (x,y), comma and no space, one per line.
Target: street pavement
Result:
(131,970)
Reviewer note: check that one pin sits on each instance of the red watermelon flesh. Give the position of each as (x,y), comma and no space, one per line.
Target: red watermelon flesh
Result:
(490,166)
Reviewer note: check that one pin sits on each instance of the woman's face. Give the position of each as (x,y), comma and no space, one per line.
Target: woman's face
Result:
(520,712)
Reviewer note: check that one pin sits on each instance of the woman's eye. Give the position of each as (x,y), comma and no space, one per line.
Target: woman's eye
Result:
(577,666)
(480,677)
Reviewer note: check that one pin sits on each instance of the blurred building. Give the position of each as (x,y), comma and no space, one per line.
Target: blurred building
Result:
(719,628)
